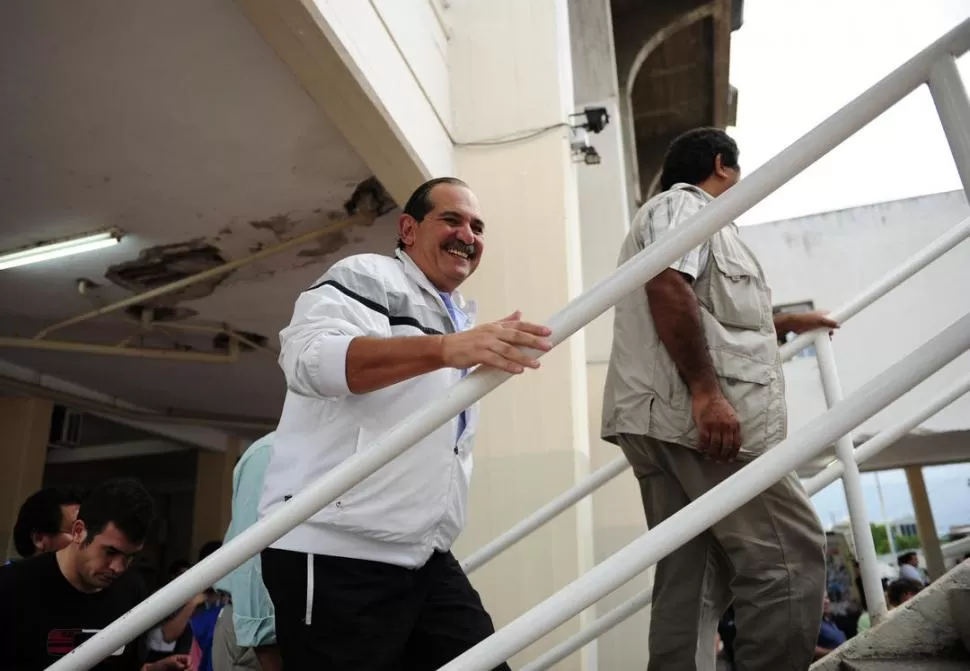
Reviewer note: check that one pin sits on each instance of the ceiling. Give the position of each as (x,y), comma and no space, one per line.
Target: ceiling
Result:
(175,122)
(682,48)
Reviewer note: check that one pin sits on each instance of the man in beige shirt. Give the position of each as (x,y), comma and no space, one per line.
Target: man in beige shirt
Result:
(694,391)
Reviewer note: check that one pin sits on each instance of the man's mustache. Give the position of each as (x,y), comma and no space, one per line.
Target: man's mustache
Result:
(470,249)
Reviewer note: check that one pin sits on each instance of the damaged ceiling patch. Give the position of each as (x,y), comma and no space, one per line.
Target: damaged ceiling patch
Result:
(164,264)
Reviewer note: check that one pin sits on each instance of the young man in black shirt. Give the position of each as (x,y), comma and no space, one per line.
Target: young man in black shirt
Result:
(52,603)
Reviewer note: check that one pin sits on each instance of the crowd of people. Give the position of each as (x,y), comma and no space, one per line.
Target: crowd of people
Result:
(694,392)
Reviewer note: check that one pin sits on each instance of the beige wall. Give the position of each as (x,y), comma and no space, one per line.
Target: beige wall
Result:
(533,440)
(25,425)
(619,520)
(212,507)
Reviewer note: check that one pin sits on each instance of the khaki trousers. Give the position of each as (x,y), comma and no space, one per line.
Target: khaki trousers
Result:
(767,556)
(226,653)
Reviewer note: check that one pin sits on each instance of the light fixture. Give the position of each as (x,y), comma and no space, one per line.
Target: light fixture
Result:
(59,248)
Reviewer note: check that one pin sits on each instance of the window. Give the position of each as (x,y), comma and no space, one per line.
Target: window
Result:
(804,306)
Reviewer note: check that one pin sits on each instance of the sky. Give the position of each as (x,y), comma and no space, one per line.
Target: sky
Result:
(794,63)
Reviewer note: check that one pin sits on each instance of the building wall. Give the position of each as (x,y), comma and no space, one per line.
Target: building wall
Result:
(829,258)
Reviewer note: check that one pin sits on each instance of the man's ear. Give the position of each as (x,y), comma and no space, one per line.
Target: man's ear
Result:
(719,169)
(407,229)
(37,540)
(79,532)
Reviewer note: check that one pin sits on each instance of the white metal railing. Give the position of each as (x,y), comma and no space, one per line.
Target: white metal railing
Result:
(719,501)
(950,239)
(813,485)
(547,512)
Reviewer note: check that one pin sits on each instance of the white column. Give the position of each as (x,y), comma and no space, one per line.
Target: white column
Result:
(604,217)
(510,73)
(925,526)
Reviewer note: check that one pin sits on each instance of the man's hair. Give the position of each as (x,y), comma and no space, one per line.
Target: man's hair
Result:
(690,157)
(41,513)
(419,204)
(905,557)
(899,588)
(177,566)
(123,502)
(208,549)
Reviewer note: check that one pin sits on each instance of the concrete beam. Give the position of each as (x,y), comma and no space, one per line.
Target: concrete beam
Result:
(136,448)
(378,69)
(90,400)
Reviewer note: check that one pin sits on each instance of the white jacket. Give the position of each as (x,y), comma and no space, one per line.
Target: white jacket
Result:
(417,503)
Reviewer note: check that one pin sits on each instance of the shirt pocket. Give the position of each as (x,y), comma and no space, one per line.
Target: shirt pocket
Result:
(738,297)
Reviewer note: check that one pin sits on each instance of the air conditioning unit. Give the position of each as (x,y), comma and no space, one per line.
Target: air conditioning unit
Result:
(65,426)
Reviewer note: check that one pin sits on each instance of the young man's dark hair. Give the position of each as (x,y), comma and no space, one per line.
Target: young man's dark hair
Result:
(42,513)
(419,204)
(208,548)
(690,157)
(123,502)
(906,558)
(901,591)
(177,568)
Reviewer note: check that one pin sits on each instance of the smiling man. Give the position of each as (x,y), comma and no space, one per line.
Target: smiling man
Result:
(52,603)
(369,582)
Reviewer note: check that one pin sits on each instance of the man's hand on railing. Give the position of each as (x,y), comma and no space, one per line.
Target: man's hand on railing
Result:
(496,345)
(803,322)
(718,427)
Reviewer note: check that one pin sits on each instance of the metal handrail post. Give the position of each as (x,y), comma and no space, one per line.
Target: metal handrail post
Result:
(889,435)
(865,546)
(547,512)
(719,501)
(813,486)
(953,107)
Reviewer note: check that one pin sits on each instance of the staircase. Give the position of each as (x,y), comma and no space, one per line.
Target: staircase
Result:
(931,632)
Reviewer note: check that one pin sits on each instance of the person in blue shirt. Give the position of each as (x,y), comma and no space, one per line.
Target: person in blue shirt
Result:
(245,635)
(829,635)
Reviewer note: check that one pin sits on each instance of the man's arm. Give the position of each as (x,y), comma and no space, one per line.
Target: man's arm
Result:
(375,363)
(175,625)
(677,317)
(338,341)
(802,322)
(172,663)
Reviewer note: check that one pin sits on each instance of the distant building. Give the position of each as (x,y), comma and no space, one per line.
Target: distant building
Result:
(905,526)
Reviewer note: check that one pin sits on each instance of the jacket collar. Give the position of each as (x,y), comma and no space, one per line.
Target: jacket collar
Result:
(700,193)
(470,308)
(696,190)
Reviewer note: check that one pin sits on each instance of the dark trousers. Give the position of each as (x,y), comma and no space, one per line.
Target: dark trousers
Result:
(339,614)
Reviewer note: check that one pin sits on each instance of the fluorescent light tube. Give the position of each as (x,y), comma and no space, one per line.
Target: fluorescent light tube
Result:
(59,249)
